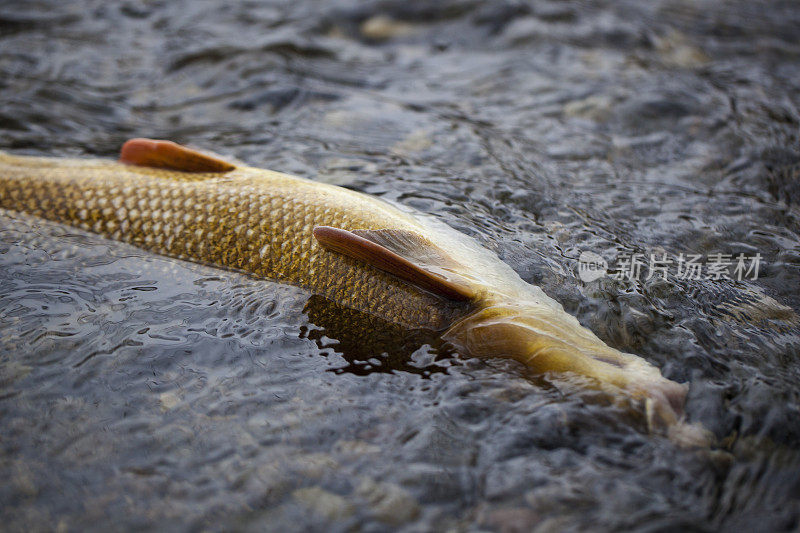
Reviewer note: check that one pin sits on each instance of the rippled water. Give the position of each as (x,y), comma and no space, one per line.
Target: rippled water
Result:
(142,391)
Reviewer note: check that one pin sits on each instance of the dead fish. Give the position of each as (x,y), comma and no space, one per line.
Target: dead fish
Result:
(358,251)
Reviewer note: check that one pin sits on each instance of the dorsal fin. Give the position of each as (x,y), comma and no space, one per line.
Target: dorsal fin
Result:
(171,156)
(373,247)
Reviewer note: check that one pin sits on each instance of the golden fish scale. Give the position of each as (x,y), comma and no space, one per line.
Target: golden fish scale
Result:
(252,220)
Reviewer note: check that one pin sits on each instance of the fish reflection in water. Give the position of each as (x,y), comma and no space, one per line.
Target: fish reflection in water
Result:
(371,344)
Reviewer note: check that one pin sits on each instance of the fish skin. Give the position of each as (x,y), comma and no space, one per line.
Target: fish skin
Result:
(248,219)
(262,222)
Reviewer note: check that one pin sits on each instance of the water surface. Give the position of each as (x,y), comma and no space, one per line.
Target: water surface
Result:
(138,391)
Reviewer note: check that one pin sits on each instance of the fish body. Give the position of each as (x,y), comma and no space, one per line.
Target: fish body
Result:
(248,219)
(355,250)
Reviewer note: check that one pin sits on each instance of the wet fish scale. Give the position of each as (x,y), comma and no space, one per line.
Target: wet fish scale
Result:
(247,219)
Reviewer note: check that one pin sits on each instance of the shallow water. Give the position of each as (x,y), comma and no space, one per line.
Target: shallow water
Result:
(142,391)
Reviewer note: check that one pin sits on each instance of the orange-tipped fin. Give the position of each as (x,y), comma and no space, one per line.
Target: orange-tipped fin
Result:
(379,256)
(171,156)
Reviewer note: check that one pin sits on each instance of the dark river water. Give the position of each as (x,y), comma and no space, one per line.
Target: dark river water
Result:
(142,392)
